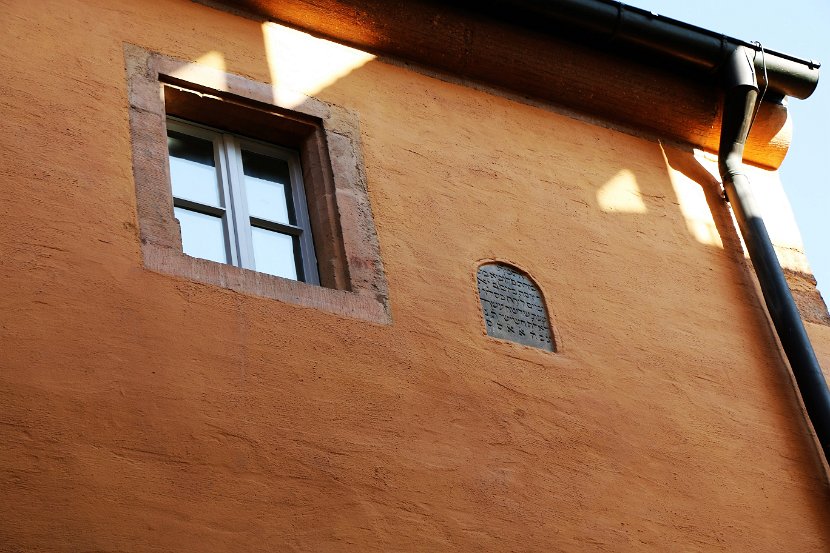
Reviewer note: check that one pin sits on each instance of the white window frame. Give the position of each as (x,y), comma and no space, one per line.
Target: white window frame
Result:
(237,221)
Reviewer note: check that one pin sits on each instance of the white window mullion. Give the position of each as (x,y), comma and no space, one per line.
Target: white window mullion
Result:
(241,219)
(226,190)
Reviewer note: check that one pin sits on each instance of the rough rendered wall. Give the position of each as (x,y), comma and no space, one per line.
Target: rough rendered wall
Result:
(142,412)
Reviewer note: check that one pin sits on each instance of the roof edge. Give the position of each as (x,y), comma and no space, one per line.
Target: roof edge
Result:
(610,24)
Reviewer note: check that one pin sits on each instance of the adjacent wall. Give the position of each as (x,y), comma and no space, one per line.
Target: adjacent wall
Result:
(145,412)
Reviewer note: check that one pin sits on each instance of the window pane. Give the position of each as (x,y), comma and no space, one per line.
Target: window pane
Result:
(268,187)
(202,235)
(193,169)
(274,253)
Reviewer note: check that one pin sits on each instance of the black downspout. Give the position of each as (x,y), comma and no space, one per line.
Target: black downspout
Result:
(741,91)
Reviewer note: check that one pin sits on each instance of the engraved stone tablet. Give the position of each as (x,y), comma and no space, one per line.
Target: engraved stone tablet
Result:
(513,307)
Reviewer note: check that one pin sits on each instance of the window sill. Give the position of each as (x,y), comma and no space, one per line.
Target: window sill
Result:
(169,261)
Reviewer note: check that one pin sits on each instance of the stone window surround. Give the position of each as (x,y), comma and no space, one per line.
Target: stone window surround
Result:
(328,138)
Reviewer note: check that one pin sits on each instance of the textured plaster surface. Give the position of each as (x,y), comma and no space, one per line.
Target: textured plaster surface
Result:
(146,412)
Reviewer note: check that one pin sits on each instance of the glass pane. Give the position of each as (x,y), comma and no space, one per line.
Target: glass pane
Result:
(202,235)
(274,253)
(193,169)
(268,187)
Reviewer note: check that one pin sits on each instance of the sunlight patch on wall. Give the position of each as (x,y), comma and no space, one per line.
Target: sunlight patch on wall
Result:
(301,65)
(213,59)
(774,205)
(621,194)
(691,199)
(209,70)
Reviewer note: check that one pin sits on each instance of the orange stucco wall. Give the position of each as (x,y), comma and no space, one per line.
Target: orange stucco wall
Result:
(143,412)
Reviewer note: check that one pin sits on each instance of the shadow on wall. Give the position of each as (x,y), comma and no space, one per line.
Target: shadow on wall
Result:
(518,179)
(627,224)
(149,409)
(614,229)
(711,223)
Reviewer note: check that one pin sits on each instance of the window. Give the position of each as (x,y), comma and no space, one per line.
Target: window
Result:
(235,188)
(240,201)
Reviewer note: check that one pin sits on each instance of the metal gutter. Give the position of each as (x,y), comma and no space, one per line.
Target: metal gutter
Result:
(608,23)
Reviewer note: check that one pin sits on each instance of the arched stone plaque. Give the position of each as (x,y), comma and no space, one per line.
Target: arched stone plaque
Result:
(513,307)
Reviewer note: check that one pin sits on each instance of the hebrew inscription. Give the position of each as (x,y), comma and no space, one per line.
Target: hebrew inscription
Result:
(513,307)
